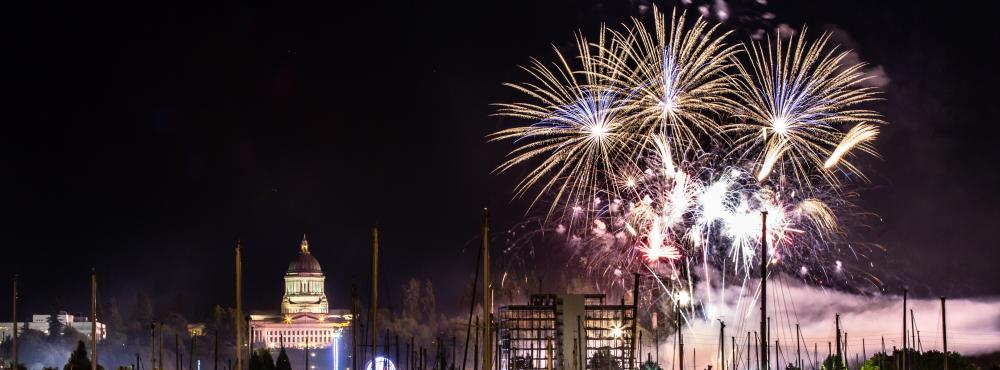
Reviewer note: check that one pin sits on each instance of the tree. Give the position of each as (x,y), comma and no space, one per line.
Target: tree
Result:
(832,362)
(55,327)
(266,361)
(650,365)
(602,360)
(78,360)
(930,360)
(282,363)
(254,361)
(521,362)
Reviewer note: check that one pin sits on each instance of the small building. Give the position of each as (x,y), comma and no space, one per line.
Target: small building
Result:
(40,322)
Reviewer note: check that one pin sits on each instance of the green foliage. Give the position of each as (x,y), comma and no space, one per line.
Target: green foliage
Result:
(833,363)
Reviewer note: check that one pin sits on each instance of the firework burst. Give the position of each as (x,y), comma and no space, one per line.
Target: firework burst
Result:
(659,148)
(794,97)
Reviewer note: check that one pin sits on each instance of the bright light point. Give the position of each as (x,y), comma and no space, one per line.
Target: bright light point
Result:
(617,330)
(683,298)
(667,105)
(780,125)
(839,265)
(597,131)
(803,270)
(381,363)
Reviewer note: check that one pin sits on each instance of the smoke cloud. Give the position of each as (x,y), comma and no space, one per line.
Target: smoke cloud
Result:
(973,324)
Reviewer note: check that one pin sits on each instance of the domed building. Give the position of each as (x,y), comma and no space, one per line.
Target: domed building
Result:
(305,319)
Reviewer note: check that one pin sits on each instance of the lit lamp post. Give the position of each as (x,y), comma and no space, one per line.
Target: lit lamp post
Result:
(683,298)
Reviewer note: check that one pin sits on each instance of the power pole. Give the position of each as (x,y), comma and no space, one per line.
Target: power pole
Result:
(13,319)
(374,308)
(93,319)
(487,300)
(944,332)
(239,308)
(748,351)
(763,289)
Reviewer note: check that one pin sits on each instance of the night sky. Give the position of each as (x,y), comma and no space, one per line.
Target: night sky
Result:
(144,140)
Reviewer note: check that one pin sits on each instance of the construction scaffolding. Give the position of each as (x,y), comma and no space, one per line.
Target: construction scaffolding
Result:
(546,334)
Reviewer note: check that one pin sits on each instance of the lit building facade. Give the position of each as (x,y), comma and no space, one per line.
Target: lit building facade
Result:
(305,320)
(40,322)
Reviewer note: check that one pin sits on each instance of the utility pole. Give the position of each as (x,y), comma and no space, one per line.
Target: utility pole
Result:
(815,354)
(216,352)
(487,299)
(944,332)
(13,319)
(733,358)
(239,308)
(748,351)
(160,354)
(93,319)
(798,347)
(904,330)
(763,289)
(680,339)
(475,349)
(864,350)
(354,326)
(152,346)
(191,355)
(839,359)
(881,360)
(635,320)
(722,345)
(374,308)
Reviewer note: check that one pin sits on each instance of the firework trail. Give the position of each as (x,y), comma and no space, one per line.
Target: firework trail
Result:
(657,148)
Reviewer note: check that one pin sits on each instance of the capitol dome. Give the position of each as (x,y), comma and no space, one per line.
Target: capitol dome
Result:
(304,290)
(305,263)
